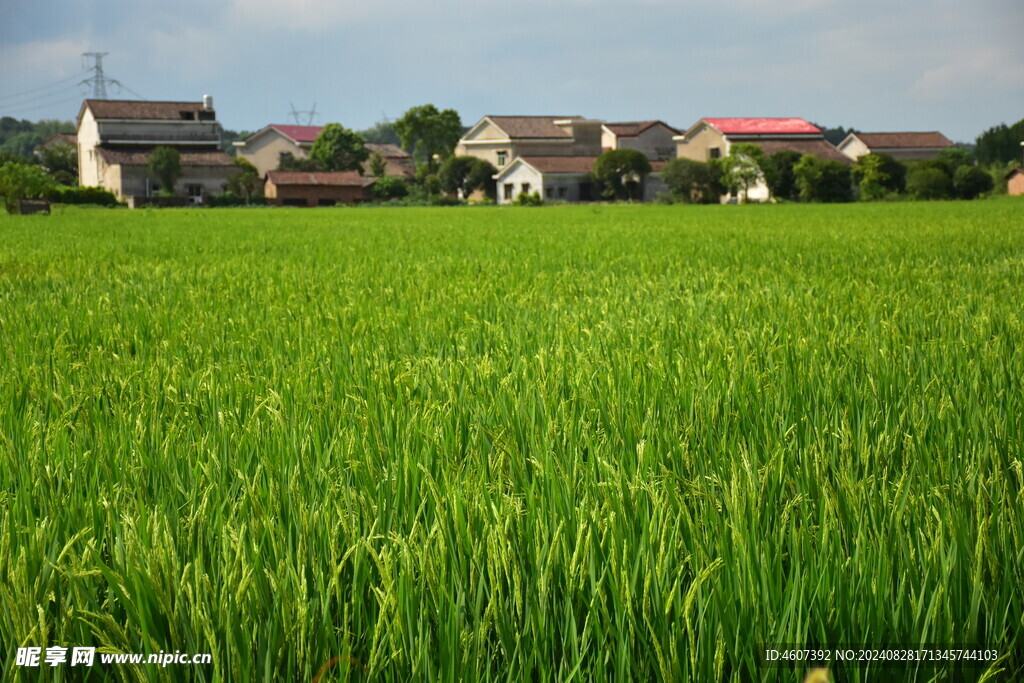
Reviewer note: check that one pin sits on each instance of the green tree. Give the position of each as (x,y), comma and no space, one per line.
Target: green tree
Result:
(381,133)
(246,182)
(165,167)
(823,180)
(429,134)
(742,169)
(953,158)
(61,162)
(1000,144)
(929,181)
(970,182)
(621,173)
(877,175)
(461,176)
(778,174)
(337,148)
(378,165)
(693,182)
(22,181)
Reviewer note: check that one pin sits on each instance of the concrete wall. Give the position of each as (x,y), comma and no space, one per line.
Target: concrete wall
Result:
(265,151)
(88,160)
(700,145)
(656,143)
(489,151)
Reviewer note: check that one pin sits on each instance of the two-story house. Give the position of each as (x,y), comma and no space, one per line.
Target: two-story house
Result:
(911,146)
(116,137)
(265,149)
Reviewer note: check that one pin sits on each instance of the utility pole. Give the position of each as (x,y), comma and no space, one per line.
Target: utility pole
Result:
(98,80)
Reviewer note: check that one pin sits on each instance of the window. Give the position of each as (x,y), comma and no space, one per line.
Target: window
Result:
(526,188)
(561,193)
(509,189)
(549,192)
(502,156)
(195,193)
(714,153)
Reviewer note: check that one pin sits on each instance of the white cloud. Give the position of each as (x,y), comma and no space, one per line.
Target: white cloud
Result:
(980,72)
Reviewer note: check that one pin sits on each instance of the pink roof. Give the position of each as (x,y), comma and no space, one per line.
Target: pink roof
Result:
(793,126)
(299,133)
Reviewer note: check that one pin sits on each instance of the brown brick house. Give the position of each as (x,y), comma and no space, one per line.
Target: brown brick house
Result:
(321,188)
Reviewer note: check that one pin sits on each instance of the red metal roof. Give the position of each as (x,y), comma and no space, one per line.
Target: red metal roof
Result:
(298,133)
(763,126)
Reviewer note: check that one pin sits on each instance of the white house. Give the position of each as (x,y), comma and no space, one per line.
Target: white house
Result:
(500,139)
(116,137)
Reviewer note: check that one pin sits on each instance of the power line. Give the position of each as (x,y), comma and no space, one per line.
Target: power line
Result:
(22,94)
(42,105)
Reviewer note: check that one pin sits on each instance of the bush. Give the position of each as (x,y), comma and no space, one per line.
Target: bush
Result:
(529,199)
(778,175)
(878,175)
(63,194)
(692,181)
(971,182)
(390,187)
(929,181)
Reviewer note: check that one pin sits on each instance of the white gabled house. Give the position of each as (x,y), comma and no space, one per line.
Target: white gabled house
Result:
(554,178)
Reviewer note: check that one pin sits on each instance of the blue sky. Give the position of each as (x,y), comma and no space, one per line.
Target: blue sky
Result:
(954,66)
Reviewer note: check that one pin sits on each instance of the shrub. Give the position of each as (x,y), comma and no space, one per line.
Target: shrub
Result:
(533,199)
(929,181)
(63,194)
(971,182)
(693,182)
(390,187)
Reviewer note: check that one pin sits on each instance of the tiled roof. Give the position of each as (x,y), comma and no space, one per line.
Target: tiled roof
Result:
(387,150)
(298,133)
(137,109)
(527,127)
(332,178)
(60,139)
(561,164)
(140,157)
(630,129)
(903,140)
(763,126)
(823,149)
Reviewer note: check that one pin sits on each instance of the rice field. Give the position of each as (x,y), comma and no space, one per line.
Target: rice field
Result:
(572,443)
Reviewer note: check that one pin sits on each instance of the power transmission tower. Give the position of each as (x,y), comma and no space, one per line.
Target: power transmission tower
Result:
(98,81)
(310,114)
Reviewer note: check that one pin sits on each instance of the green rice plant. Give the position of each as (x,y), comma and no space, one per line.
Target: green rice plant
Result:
(584,443)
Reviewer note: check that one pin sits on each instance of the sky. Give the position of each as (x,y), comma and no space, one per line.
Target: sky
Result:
(951,65)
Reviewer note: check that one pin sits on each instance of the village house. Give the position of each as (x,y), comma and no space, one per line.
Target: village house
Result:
(562,179)
(713,138)
(500,139)
(654,138)
(265,148)
(116,137)
(58,139)
(320,188)
(900,146)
